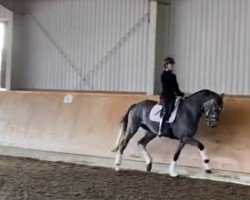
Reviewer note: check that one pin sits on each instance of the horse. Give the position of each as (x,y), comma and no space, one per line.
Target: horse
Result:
(183,128)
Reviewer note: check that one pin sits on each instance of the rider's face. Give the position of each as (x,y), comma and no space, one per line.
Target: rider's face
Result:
(169,67)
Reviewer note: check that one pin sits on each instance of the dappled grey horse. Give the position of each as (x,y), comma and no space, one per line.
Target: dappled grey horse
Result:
(183,128)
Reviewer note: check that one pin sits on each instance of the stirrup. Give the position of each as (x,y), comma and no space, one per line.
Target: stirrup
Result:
(160,133)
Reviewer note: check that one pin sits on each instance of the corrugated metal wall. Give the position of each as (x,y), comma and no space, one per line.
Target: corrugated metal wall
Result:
(82,45)
(162,42)
(210,40)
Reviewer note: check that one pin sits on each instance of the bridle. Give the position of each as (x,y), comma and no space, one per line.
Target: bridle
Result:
(209,109)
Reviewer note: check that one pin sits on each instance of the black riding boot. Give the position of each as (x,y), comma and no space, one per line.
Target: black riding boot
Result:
(163,126)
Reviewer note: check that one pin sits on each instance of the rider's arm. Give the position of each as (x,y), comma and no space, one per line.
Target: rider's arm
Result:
(177,89)
(164,83)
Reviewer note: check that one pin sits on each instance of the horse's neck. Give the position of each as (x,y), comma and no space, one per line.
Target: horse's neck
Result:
(196,104)
(198,99)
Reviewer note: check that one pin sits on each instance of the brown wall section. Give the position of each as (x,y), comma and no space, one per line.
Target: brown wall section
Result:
(89,125)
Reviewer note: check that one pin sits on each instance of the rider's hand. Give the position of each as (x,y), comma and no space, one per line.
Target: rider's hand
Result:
(185,95)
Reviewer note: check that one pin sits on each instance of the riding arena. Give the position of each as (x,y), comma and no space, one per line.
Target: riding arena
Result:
(80,108)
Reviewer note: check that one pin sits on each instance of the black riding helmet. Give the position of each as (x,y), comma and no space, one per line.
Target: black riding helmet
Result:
(169,60)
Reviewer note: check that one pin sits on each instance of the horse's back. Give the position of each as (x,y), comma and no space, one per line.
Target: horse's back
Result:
(147,103)
(143,107)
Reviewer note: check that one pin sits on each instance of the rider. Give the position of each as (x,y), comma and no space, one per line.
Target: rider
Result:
(170,89)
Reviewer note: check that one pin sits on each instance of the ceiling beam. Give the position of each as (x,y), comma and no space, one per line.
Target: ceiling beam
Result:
(16,6)
(7,4)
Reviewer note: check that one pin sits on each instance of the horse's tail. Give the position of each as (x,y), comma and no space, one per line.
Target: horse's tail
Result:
(124,123)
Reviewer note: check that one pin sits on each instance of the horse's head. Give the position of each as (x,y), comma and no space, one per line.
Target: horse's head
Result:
(212,110)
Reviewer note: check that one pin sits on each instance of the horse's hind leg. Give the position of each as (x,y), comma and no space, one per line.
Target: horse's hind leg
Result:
(131,130)
(142,143)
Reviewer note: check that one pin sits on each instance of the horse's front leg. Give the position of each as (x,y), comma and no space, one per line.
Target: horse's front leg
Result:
(202,151)
(204,158)
(171,170)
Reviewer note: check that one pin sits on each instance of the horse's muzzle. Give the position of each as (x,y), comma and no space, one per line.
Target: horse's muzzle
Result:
(212,122)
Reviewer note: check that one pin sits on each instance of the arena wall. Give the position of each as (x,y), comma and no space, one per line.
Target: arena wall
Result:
(87,124)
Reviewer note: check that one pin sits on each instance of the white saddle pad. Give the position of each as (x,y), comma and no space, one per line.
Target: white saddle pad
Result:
(154,114)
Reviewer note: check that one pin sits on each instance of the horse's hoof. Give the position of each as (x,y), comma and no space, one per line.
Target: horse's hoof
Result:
(208,171)
(173,174)
(149,167)
(117,168)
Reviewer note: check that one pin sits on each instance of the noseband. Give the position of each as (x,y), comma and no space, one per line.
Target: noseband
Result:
(210,106)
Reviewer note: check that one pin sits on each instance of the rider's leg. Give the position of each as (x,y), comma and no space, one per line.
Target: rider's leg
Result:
(164,125)
(162,121)
(162,114)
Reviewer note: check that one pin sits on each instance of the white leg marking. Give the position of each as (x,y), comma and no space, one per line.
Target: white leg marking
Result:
(118,139)
(205,158)
(172,169)
(117,168)
(206,166)
(145,154)
(118,160)
(203,155)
